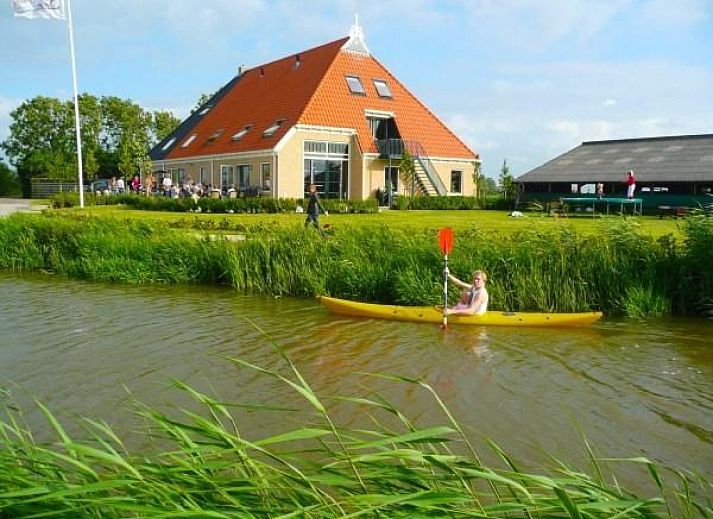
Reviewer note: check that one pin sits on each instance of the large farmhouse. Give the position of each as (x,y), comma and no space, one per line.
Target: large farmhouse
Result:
(670,171)
(331,115)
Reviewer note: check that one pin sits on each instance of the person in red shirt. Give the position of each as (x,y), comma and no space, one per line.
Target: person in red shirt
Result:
(630,184)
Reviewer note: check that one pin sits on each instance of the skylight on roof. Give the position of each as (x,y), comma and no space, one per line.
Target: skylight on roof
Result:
(272,129)
(215,135)
(204,110)
(355,86)
(241,133)
(189,140)
(382,88)
(168,144)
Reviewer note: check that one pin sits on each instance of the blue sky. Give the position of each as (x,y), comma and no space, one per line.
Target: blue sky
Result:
(517,80)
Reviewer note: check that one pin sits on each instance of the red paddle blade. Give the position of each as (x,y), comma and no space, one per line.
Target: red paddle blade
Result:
(445,239)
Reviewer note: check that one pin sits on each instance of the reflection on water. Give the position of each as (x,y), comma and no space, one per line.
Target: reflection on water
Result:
(634,388)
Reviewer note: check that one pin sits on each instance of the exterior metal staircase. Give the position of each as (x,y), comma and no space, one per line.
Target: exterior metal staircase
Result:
(427,179)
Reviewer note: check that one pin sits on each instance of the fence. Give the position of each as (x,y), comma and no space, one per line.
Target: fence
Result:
(45,188)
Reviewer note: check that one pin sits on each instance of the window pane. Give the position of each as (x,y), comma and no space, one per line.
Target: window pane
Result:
(355,86)
(382,88)
(265,175)
(338,148)
(456,181)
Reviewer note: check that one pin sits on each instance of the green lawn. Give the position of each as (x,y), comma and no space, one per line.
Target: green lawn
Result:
(486,221)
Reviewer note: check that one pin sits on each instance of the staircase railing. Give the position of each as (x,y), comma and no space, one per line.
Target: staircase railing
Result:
(394,148)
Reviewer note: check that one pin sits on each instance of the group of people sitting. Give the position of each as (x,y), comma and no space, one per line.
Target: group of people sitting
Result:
(164,186)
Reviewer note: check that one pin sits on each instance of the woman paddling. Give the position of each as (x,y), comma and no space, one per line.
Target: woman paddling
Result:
(474,298)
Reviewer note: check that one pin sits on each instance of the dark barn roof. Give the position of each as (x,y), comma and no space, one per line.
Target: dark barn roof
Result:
(682,158)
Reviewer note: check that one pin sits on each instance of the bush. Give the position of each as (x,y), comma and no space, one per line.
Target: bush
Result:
(443,203)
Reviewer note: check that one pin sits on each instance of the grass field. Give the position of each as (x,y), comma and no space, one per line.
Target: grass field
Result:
(485,221)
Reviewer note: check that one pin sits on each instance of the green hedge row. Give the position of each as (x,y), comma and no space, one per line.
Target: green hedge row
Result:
(450,203)
(214,205)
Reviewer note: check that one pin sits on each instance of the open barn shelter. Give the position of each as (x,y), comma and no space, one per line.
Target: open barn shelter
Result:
(672,173)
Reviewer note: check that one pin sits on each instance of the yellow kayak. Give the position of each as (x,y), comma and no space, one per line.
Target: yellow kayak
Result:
(432,314)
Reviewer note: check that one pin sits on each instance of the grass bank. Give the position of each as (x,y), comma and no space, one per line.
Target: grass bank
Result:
(206,468)
(622,270)
(490,223)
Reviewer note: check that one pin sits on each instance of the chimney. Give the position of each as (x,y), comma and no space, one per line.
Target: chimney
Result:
(240,70)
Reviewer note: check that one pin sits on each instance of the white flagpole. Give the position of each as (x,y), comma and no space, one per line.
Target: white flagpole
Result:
(76,104)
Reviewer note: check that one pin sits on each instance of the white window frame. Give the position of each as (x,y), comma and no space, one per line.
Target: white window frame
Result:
(382,88)
(227,173)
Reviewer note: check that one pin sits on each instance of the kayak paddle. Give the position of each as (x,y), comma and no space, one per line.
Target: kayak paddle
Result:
(445,240)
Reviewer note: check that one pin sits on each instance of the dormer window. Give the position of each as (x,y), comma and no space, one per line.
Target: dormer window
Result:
(355,86)
(189,140)
(241,133)
(272,129)
(215,135)
(168,144)
(382,88)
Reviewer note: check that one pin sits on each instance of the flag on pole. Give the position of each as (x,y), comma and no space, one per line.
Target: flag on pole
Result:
(51,9)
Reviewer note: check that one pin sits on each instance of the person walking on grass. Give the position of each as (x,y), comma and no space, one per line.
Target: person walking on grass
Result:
(313,208)
(474,298)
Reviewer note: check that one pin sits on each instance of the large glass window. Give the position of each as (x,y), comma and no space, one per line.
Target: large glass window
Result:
(227,176)
(326,164)
(330,176)
(456,182)
(244,175)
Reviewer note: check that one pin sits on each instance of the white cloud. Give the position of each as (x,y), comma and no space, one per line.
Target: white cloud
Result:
(609,102)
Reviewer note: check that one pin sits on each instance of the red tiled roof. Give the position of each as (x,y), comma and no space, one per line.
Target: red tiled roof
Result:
(313,92)
(334,105)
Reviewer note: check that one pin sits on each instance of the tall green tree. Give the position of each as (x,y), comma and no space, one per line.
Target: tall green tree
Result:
(91,126)
(407,171)
(41,141)
(477,178)
(506,181)
(203,99)
(126,136)
(9,183)
(163,123)
(488,186)
(116,138)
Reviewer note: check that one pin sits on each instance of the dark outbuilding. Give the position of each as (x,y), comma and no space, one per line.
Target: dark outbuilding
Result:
(671,172)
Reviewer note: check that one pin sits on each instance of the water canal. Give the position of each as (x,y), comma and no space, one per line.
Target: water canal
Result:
(635,388)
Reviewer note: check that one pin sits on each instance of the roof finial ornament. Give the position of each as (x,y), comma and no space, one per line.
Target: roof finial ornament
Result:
(355,43)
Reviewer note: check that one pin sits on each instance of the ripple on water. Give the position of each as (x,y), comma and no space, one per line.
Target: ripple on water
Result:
(633,388)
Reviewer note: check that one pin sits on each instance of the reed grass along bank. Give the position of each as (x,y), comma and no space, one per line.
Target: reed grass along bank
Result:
(621,271)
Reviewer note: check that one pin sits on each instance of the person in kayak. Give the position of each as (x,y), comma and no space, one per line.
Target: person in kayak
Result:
(474,298)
